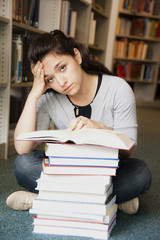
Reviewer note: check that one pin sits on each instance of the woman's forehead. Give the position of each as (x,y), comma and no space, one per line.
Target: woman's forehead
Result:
(53,57)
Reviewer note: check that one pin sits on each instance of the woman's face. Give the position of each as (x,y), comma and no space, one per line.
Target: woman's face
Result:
(63,73)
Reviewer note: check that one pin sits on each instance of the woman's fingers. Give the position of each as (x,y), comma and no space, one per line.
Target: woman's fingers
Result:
(83,122)
(36,69)
(77,123)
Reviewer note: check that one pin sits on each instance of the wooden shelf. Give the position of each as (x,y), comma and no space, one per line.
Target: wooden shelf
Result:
(137,81)
(28,27)
(99,12)
(136,60)
(152,104)
(22,84)
(96,48)
(3,85)
(143,15)
(149,39)
(4,19)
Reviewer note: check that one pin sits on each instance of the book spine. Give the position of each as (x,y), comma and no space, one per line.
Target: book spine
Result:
(36,15)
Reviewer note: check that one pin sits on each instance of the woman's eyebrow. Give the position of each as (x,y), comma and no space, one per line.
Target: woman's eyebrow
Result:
(57,65)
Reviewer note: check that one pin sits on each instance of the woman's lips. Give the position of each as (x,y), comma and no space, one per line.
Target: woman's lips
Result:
(68,88)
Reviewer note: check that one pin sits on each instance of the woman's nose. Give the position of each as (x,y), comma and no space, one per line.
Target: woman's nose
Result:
(61,81)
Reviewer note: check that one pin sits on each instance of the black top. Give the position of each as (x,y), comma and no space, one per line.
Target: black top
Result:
(86,110)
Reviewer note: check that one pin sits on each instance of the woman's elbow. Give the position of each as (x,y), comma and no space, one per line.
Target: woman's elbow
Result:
(22,148)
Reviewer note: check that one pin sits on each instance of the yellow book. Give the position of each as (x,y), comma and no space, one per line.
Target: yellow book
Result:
(118,25)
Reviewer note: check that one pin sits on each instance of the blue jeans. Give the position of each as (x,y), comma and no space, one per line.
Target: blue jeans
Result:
(133,177)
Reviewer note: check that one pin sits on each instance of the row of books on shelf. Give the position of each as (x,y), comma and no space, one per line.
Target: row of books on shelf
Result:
(26,11)
(140,6)
(37,13)
(131,49)
(75,187)
(142,27)
(69,20)
(20,68)
(135,71)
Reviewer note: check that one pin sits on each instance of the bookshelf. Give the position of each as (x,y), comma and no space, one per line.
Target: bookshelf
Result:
(13,93)
(136,47)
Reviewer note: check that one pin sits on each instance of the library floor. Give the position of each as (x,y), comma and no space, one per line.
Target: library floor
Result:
(145,224)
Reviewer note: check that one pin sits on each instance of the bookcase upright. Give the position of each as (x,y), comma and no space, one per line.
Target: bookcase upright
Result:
(5,66)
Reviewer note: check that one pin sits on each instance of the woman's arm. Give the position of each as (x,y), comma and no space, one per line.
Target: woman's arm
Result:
(27,120)
(26,123)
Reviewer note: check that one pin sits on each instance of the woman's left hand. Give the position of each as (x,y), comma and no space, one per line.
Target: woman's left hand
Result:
(83,122)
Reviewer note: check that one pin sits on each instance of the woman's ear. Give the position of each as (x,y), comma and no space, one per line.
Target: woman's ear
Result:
(78,57)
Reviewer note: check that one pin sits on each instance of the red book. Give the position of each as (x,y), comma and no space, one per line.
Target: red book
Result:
(77,170)
(121,70)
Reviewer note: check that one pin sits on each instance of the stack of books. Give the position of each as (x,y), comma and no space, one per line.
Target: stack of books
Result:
(75,187)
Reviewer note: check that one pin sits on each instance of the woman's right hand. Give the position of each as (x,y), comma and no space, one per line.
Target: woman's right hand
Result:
(39,85)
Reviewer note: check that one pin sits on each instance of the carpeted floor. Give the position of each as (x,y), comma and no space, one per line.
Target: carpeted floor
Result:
(145,224)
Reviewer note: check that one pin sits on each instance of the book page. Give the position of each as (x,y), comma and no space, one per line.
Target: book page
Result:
(101,137)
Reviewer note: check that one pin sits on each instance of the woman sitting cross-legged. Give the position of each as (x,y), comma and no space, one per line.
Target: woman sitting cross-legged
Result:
(75,92)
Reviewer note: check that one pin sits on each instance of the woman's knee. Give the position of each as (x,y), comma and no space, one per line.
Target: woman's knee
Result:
(145,176)
(142,176)
(25,163)
(133,179)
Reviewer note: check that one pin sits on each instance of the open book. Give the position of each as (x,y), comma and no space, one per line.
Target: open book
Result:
(101,137)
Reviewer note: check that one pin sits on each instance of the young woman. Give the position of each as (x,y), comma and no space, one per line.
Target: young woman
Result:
(74,92)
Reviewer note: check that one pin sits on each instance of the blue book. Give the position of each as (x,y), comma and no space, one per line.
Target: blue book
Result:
(36,15)
(83,161)
(32,10)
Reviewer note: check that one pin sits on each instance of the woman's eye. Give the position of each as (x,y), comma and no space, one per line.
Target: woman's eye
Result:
(49,80)
(62,68)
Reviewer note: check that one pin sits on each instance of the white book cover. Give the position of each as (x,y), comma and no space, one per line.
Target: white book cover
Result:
(74,207)
(80,151)
(72,187)
(76,216)
(74,196)
(71,232)
(72,223)
(104,219)
(102,180)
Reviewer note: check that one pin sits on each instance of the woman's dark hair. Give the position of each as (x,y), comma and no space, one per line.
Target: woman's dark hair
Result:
(57,42)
